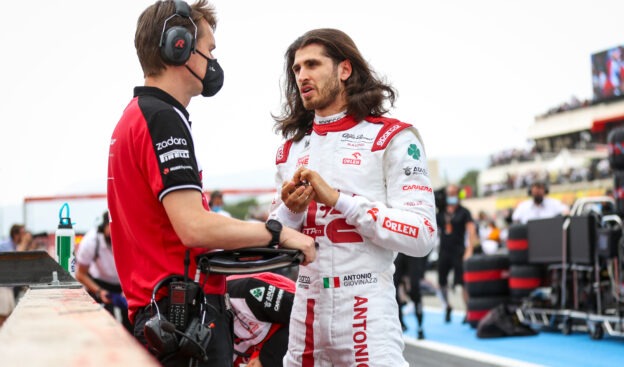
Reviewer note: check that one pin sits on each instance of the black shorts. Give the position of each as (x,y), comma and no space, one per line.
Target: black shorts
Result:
(451,260)
(220,348)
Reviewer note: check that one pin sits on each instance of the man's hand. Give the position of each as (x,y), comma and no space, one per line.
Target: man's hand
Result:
(293,239)
(324,193)
(297,194)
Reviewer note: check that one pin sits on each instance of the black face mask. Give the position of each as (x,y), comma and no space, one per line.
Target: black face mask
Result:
(213,79)
(537,199)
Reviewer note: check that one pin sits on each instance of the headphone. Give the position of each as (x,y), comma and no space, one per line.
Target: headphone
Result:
(177,43)
(538,183)
(162,335)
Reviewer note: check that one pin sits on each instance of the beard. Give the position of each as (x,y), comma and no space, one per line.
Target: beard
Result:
(327,94)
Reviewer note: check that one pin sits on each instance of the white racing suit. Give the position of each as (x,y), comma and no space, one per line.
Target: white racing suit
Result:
(345,311)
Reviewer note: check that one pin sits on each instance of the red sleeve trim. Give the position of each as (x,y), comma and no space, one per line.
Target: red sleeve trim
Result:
(282,152)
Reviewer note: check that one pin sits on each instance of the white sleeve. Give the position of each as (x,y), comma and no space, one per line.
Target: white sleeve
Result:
(86,248)
(407,223)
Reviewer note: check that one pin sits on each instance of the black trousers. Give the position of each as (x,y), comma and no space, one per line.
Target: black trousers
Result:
(451,260)
(220,349)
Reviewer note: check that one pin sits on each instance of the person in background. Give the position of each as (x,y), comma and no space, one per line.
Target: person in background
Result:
(409,272)
(216,203)
(358,182)
(97,272)
(539,206)
(16,233)
(158,213)
(7,295)
(458,236)
(261,307)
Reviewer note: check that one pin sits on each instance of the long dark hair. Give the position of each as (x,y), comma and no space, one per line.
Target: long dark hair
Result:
(366,93)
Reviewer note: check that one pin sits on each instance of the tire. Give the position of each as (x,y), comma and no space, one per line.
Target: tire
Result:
(478,307)
(518,244)
(523,279)
(487,275)
(596,332)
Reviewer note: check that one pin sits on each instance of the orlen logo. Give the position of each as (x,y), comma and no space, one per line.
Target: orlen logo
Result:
(303,161)
(417,188)
(354,161)
(170,142)
(385,136)
(401,228)
(373,212)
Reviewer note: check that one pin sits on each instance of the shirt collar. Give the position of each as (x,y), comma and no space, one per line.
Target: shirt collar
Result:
(162,95)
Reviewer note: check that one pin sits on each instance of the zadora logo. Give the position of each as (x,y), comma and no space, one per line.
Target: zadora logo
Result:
(170,142)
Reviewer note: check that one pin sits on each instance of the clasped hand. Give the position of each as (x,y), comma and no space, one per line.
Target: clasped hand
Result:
(305,186)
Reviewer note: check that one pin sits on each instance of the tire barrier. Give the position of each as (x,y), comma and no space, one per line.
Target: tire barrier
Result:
(523,279)
(478,307)
(518,244)
(486,275)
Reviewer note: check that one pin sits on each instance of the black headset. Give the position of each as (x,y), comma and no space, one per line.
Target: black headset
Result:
(163,337)
(177,43)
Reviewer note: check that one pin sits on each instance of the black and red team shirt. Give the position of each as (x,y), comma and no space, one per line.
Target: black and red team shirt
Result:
(151,154)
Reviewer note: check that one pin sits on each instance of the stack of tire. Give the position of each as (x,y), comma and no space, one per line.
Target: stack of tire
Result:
(486,279)
(523,277)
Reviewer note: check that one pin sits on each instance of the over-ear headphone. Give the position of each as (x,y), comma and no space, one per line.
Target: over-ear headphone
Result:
(161,334)
(177,43)
(544,184)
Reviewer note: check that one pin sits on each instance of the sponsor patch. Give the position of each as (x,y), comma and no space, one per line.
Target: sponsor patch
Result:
(429,226)
(173,154)
(170,142)
(303,281)
(382,140)
(417,188)
(415,171)
(269,296)
(353,160)
(373,212)
(401,228)
(303,161)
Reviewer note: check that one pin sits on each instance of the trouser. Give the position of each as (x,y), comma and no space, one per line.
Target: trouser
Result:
(451,260)
(414,268)
(220,348)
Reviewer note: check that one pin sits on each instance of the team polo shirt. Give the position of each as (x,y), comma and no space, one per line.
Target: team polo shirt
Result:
(151,154)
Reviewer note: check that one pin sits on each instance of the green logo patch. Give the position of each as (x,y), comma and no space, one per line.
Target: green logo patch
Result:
(413,151)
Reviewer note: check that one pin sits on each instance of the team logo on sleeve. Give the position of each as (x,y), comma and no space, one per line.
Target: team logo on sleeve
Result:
(257,293)
(413,151)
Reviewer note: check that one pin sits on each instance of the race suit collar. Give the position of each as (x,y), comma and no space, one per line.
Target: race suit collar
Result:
(338,122)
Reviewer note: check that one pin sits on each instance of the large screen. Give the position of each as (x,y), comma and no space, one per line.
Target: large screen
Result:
(608,73)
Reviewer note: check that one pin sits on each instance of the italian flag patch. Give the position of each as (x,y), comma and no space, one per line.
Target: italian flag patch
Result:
(331,282)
